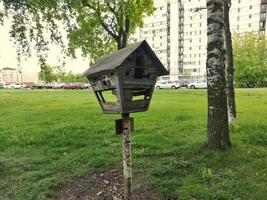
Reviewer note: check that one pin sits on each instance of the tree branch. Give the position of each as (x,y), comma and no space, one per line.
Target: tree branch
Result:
(199,9)
(97,11)
(111,9)
(127,25)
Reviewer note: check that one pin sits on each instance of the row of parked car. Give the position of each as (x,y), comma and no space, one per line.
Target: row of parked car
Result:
(72,86)
(79,86)
(198,84)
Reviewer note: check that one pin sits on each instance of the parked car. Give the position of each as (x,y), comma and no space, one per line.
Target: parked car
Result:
(75,86)
(1,85)
(59,86)
(197,84)
(37,86)
(6,85)
(28,85)
(184,83)
(168,85)
(49,85)
(15,86)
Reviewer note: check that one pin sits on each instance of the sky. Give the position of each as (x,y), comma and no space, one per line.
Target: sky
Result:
(8,56)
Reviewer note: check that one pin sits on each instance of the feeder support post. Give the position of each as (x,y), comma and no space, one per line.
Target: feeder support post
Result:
(127,161)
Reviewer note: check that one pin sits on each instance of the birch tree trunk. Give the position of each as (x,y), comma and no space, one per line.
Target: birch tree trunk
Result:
(229,64)
(218,132)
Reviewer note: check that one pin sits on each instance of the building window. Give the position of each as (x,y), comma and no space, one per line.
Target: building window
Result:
(238,18)
(262,25)
(249,16)
(249,25)
(250,7)
(239,9)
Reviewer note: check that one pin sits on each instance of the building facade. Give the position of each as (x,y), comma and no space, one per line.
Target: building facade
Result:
(9,75)
(177,32)
(12,75)
(161,32)
(1,77)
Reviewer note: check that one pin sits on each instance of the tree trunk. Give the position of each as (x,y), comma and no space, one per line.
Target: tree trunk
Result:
(122,41)
(127,161)
(119,44)
(218,132)
(229,64)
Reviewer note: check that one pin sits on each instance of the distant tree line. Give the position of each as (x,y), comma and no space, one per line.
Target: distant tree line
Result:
(50,74)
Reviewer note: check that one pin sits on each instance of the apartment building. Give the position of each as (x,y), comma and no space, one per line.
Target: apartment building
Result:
(9,75)
(177,32)
(195,39)
(28,77)
(1,77)
(161,32)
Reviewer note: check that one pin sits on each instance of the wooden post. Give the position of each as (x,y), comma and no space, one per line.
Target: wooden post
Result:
(127,161)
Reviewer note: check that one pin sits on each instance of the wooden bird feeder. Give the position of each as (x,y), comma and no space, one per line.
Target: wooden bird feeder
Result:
(123,83)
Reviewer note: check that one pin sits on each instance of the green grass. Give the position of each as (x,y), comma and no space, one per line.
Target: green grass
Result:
(47,138)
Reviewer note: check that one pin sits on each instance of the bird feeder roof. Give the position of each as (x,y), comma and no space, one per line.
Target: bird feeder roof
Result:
(116,59)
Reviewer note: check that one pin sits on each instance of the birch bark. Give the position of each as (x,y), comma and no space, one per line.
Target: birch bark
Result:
(229,64)
(218,131)
(127,160)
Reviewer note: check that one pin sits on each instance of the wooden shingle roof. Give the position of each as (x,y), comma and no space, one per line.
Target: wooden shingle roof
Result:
(115,59)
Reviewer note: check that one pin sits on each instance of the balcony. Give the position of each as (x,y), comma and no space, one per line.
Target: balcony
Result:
(263,9)
(262,28)
(263,17)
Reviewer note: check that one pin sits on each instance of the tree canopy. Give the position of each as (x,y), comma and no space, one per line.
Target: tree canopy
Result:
(30,19)
(95,26)
(250,57)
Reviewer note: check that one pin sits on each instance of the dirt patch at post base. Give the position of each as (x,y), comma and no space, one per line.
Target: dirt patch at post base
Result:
(103,185)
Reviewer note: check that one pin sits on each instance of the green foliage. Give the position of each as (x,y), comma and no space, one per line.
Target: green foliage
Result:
(207,173)
(250,58)
(49,138)
(30,19)
(46,74)
(71,78)
(92,25)
(57,74)
(101,25)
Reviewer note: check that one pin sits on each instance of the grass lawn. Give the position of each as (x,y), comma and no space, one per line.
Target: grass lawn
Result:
(47,138)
